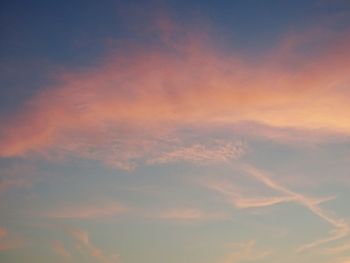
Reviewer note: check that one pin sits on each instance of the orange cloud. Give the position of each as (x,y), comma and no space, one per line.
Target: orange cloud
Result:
(137,98)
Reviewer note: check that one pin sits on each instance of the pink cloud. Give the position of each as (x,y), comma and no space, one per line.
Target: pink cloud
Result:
(137,98)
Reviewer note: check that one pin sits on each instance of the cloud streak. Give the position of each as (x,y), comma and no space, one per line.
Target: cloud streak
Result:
(340,227)
(99,211)
(188,215)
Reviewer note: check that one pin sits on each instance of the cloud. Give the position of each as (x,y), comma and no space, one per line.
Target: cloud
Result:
(340,227)
(9,241)
(137,98)
(85,244)
(339,249)
(244,201)
(201,154)
(107,210)
(3,232)
(187,215)
(98,211)
(245,251)
(60,250)
(239,200)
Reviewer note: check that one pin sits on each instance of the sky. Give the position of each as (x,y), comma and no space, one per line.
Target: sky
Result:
(175,131)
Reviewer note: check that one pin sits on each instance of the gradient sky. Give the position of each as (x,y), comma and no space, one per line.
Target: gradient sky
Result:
(175,131)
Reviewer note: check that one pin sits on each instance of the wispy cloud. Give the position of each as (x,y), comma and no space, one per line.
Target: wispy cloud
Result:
(340,227)
(338,249)
(120,110)
(108,210)
(60,250)
(202,154)
(239,200)
(244,252)
(187,215)
(85,244)
(91,211)
(9,241)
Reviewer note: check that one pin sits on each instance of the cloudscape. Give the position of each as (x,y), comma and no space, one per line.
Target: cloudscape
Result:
(175,131)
